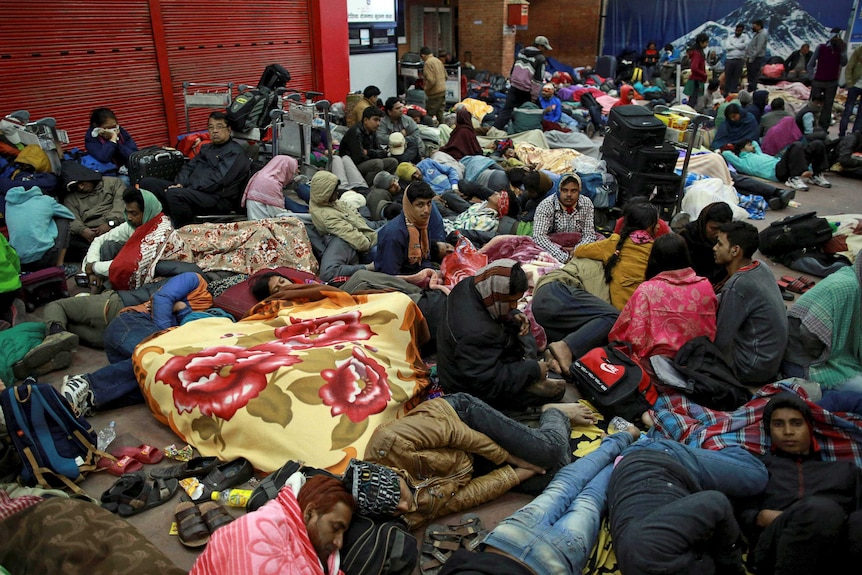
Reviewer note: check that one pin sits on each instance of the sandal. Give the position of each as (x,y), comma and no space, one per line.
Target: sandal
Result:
(225,476)
(431,560)
(143,453)
(196,467)
(153,492)
(214,515)
(439,544)
(121,466)
(116,493)
(191,529)
(471,530)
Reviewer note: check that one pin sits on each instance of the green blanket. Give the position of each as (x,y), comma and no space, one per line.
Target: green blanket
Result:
(15,342)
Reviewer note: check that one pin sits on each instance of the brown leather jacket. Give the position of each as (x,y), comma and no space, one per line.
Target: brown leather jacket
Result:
(433,449)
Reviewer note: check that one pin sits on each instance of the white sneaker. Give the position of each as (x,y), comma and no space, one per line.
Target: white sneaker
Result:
(819,180)
(76,390)
(796,183)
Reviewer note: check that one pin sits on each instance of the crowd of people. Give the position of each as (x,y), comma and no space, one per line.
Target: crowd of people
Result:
(390,214)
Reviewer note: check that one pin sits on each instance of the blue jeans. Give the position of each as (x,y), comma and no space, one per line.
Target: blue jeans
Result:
(115,385)
(854,96)
(125,332)
(555,533)
(573,315)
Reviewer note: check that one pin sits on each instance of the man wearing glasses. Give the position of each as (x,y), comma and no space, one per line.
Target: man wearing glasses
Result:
(210,183)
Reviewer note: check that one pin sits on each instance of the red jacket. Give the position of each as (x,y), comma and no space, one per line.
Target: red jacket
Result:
(698,65)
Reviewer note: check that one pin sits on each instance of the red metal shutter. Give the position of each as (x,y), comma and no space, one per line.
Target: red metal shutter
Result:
(233,41)
(65,58)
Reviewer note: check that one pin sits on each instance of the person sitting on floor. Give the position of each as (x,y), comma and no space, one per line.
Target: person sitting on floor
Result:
(210,183)
(38,229)
(566,212)
(333,216)
(484,345)
(825,343)
(751,324)
(850,154)
(791,167)
(360,143)
(264,194)
(303,527)
(404,244)
(370,97)
(671,307)
(808,519)
(773,116)
(738,126)
(435,445)
(109,143)
(96,202)
(115,385)
(10,282)
(700,236)
(625,255)
(395,120)
(124,255)
(462,141)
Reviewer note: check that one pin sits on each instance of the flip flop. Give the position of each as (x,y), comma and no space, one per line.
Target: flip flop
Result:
(143,453)
(121,466)
(121,488)
(191,529)
(152,493)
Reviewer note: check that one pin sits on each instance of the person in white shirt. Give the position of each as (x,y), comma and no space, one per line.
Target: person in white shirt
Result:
(734,48)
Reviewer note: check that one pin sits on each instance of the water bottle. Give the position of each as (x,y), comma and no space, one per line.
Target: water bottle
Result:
(232,497)
(618,424)
(106,436)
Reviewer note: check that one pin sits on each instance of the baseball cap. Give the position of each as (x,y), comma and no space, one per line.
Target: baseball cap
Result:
(542,41)
(397,143)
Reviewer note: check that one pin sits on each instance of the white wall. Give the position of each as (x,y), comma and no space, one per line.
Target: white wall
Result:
(374,70)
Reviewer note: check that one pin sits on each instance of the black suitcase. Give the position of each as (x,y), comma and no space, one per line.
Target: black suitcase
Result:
(155,162)
(606,67)
(274,76)
(661,189)
(635,126)
(651,158)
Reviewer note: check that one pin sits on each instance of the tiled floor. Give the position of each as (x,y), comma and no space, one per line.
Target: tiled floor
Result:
(136,425)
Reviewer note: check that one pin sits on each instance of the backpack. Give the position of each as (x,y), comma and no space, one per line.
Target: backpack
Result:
(250,109)
(614,382)
(378,548)
(56,446)
(711,379)
(794,233)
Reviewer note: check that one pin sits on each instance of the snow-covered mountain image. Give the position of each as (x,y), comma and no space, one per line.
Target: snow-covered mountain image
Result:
(787,23)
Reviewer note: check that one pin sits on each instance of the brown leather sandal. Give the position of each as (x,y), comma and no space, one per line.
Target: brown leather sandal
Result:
(214,515)
(191,528)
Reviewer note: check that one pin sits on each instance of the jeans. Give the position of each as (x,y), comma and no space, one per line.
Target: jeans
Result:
(555,533)
(573,315)
(125,332)
(547,446)
(115,385)
(339,259)
(514,98)
(854,97)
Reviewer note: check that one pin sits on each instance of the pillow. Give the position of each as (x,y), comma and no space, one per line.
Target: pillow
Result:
(237,300)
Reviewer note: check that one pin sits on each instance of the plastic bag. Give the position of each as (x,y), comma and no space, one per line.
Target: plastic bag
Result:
(585,164)
(462,263)
(706,191)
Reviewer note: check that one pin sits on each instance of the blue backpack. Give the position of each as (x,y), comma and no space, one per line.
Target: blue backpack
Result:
(56,446)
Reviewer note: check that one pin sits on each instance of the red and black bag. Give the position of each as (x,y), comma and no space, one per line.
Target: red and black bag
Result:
(615,383)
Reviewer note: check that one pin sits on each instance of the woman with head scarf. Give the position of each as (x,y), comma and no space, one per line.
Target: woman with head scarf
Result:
(738,125)
(462,142)
(701,235)
(484,343)
(264,195)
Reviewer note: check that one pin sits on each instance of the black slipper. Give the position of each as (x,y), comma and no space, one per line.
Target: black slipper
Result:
(225,476)
(153,492)
(196,467)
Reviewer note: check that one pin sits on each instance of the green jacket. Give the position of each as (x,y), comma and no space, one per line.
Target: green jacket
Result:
(10,267)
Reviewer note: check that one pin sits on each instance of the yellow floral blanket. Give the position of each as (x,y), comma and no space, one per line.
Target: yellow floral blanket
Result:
(308,382)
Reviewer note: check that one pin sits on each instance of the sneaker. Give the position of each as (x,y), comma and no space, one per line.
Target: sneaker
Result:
(55,352)
(76,390)
(796,183)
(819,180)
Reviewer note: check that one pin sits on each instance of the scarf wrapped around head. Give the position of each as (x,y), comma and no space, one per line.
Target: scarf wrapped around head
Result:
(494,284)
(375,488)
(152,207)
(134,265)
(418,246)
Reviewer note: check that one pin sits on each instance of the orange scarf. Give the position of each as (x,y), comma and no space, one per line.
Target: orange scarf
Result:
(417,233)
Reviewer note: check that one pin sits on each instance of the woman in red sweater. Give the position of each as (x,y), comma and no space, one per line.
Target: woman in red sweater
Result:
(694,86)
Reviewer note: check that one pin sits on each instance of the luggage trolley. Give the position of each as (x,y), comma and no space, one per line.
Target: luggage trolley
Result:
(292,126)
(44,133)
(690,136)
(205,95)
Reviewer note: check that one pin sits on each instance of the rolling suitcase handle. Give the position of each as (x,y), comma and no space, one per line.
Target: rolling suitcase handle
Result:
(694,125)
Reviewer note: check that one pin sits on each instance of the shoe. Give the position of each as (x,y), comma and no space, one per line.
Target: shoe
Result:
(196,467)
(76,390)
(55,352)
(796,183)
(782,200)
(819,180)
(71,269)
(225,476)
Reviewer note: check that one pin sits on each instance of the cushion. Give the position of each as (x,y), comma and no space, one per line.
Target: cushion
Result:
(237,300)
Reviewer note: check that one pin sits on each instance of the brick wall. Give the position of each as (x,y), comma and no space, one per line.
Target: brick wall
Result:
(480,32)
(572,27)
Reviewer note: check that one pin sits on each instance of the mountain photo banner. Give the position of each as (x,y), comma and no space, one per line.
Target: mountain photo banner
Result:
(789,23)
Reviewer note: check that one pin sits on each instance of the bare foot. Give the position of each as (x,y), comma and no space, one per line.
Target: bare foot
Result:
(552,388)
(807,174)
(561,352)
(553,364)
(647,419)
(578,413)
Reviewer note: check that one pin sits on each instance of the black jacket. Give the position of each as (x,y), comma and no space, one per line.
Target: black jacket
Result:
(361,145)
(791,61)
(477,354)
(849,144)
(221,170)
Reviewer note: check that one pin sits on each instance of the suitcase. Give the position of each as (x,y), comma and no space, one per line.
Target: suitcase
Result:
(654,159)
(635,126)
(155,162)
(662,189)
(40,287)
(606,66)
